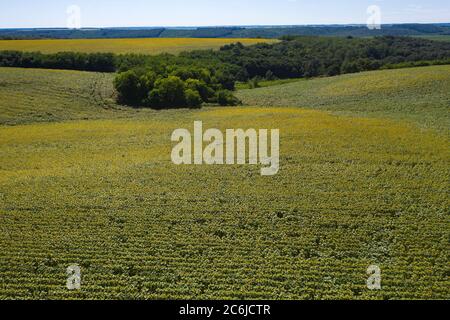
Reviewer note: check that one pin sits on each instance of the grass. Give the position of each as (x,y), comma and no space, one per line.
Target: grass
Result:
(35,95)
(102,193)
(415,94)
(436,37)
(265,83)
(119,46)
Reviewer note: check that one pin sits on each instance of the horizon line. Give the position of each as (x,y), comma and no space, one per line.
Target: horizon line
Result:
(221,26)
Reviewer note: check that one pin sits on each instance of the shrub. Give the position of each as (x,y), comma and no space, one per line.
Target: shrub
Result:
(129,88)
(226,98)
(148,80)
(206,92)
(226,79)
(253,83)
(193,99)
(185,73)
(270,76)
(171,92)
(154,99)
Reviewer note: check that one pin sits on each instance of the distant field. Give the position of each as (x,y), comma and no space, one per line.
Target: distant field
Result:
(84,181)
(143,46)
(418,94)
(436,37)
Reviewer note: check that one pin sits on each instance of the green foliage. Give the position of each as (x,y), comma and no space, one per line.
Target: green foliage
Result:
(269,76)
(318,56)
(193,98)
(226,98)
(297,57)
(253,83)
(416,64)
(148,80)
(102,62)
(169,92)
(155,99)
(185,73)
(168,85)
(266,83)
(131,89)
(206,92)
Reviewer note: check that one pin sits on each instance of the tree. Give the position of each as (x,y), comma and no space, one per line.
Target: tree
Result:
(185,73)
(154,99)
(254,83)
(171,92)
(206,92)
(148,80)
(312,68)
(269,75)
(193,99)
(226,98)
(128,86)
(226,79)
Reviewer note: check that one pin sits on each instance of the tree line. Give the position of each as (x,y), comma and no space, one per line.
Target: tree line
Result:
(298,57)
(227,32)
(99,62)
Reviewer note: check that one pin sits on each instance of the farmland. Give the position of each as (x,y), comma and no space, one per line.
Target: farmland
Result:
(436,37)
(121,46)
(363,180)
(415,29)
(53,95)
(416,94)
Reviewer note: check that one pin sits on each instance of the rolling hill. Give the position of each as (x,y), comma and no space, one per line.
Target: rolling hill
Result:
(418,94)
(83,181)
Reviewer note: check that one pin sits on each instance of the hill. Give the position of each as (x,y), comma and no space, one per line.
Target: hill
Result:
(418,94)
(32,95)
(96,187)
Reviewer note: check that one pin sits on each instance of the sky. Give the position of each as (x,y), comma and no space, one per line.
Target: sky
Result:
(131,13)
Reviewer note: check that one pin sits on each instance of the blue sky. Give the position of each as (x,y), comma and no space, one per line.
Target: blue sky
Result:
(109,13)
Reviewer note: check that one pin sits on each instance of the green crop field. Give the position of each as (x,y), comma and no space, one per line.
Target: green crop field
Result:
(416,94)
(363,180)
(143,46)
(34,95)
(436,37)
